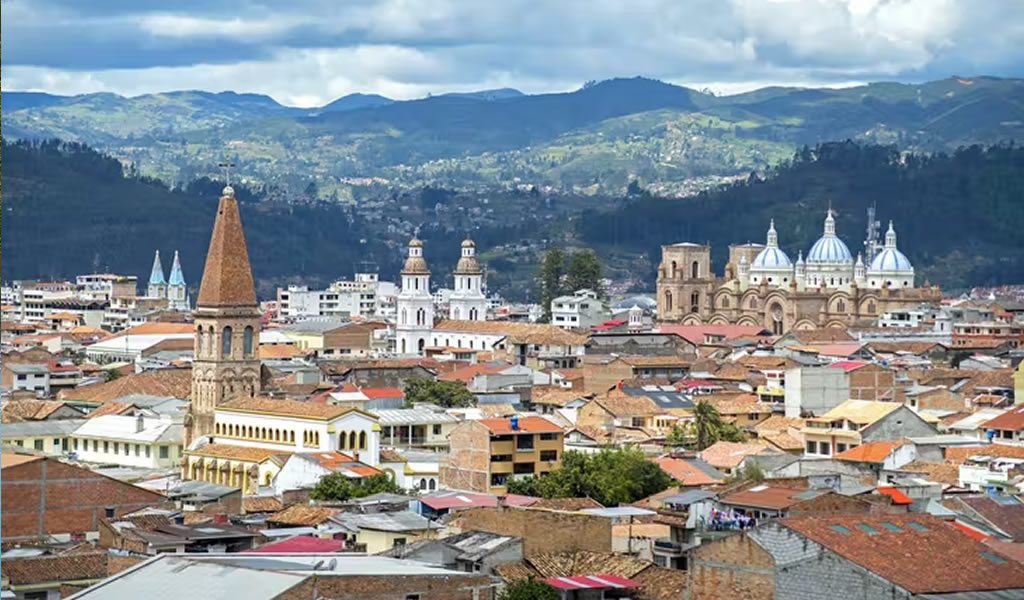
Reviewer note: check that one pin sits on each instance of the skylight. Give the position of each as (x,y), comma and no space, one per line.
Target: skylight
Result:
(840,529)
(866,528)
(891,526)
(916,526)
(992,557)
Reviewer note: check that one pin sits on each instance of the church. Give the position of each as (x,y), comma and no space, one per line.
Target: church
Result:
(173,289)
(762,287)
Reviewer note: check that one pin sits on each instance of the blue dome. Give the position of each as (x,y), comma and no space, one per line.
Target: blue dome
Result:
(771,258)
(890,259)
(829,249)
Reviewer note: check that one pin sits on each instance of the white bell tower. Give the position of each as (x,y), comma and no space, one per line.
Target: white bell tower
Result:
(415,304)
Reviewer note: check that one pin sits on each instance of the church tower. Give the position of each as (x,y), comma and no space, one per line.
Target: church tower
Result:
(157,285)
(177,293)
(415,304)
(468,301)
(227,323)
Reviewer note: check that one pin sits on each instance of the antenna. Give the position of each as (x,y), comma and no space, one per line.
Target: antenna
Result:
(871,243)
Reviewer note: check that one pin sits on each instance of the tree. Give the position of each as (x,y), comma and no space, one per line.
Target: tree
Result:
(528,589)
(677,438)
(751,471)
(611,477)
(336,487)
(550,276)
(447,394)
(584,272)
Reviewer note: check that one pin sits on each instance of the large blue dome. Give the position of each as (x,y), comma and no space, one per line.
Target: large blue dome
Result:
(771,258)
(890,259)
(829,249)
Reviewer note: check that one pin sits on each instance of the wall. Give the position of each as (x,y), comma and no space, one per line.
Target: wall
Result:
(379,541)
(900,423)
(542,530)
(467,466)
(815,390)
(733,567)
(51,444)
(391,587)
(871,382)
(148,454)
(49,497)
(599,378)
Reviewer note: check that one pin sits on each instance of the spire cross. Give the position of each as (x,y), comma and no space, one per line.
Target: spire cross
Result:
(226,165)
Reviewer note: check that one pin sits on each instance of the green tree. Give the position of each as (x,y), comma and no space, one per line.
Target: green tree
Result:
(706,424)
(336,487)
(584,272)
(611,477)
(528,589)
(677,437)
(750,471)
(448,394)
(550,279)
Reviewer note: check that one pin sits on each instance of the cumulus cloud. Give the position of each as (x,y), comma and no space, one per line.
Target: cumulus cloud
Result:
(309,52)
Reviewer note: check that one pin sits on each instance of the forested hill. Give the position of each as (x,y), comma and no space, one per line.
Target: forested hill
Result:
(960,217)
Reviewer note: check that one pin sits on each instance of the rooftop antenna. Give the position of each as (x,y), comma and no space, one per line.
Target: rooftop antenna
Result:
(871,243)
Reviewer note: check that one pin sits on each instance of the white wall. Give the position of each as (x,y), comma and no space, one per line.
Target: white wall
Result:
(815,389)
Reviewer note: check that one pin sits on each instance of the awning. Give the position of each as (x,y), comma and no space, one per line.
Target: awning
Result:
(591,582)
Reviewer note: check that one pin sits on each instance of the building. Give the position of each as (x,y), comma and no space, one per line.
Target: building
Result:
(415,427)
(485,453)
(33,377)
(415,305)
(129,441)
(581,310)
(177,291)
(762,287)
(855,422)
(531,344)
(470,551)
(44,497)
(974,335)
(49,436)
(268,576)
(157,287)
(48,576)
(384,531)
(304,469)
(468,300)
(906,556)
(1007,428)
(227,322)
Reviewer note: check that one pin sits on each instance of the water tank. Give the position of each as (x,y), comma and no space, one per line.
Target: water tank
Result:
(513,422)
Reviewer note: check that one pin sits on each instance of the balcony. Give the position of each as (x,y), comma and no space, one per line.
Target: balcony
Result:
(668,547)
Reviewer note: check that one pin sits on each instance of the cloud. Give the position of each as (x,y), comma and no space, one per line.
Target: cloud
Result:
(311,51)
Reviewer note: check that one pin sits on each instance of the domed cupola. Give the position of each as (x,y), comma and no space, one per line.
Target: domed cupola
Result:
(771,257)
(829,248)
(890,265)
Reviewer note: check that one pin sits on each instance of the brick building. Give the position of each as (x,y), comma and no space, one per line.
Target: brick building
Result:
(542,530)
(485,453)
(43,497)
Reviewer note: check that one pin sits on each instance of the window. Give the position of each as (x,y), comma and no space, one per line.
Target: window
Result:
(147,452)
(840,529)
(127,450)
(866,528)
(163,451)
(524,443)
(362,440)
(138,449)
(499,479)
(399,542)
(37,444)
(549,436)
(916,526)
(695,270)
(225,342)
(437,430)
(891,526)
(637,422)
(95,445)
(75,444)
(668,300)
(549,455)
(825,448)
(840,448)
(117,448)
(523,469)
(501,458)
(247,341)
(812,447)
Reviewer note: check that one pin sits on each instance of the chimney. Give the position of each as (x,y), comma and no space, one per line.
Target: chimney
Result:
(140,423)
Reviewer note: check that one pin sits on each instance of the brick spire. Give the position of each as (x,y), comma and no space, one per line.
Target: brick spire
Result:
(227,277)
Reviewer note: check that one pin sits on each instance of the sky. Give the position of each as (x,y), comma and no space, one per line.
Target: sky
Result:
(309,52)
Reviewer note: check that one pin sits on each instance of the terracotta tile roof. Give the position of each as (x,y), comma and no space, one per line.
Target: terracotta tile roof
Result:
(828,334)
(1007,517)
(491,411)
(570,374)
(243,453)
(336,461)
(271,351)
(553,395)
(661,583)
(467,373)
(862,412)
(227,277)
(292,408)
(176,383)
(156,328)
(687,473)
(570,504)
(656,361)
(622,404)
(1012,420)
(944,473)
(534,333)
(728,455)
(765,496)
(261,504)
(10,459)
(526,424)
(778,423)
(1011,550)
(784,441)
(111,408)
(765,362)
(65,567)
(959,454)
(383,392)
(731,372)
(870,452)
(302,515)
(939,559)
(389,455)
(696,333)
(28,409)
(895,494)
(917,348)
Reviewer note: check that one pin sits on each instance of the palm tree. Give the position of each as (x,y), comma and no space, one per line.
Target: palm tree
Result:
(707,424)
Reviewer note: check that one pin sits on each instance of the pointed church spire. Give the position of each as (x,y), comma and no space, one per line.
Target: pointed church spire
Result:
(830,223)
(177,277)
(227,278)
(156,276)
(773,236)
(890,237)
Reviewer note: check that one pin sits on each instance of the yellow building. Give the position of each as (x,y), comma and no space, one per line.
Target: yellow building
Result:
(52,437)
(237,466)
(857,421)
(384,531)
(1018,384)
(483,454)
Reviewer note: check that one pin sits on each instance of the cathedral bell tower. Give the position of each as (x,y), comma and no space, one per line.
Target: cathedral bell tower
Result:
(227,323)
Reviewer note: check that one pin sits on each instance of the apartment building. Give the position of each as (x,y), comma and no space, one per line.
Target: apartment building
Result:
(485,453)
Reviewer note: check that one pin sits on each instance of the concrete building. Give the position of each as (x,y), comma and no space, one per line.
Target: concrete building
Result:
(303,470)
(129,441)
(814,390)
(581,310)
(855,422)
(485,453)
(415,427)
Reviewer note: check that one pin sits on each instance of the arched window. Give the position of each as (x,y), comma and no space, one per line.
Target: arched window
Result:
(291,437)
(268,478)
(403,347)
(216,428)
(225,342)
(668,298)
(675,268)
(457,313)
(725,302)
(695,302)
(695,270)
(277,435)
(423,484)
(840,306)
(247,341)
(433,484)
(362,440)
(422,345)
(201,341)
(352,441)
(404,318)
(316,438)
(871,308)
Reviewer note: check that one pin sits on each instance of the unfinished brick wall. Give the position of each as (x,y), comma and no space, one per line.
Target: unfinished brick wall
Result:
(872,382)
(734,567)
(390,587)
(46,496)
(542,530)
(468,464)
(830,504)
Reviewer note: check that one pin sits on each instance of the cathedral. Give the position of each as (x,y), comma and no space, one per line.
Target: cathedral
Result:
(415,303)
(761,286)
(174,289)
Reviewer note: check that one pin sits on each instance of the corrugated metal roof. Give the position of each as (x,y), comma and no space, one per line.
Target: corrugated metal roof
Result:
(412,416)
(41,428)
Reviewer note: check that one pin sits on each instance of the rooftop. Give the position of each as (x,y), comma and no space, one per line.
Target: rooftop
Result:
(862,412)
(300,544)
(122,427)
(230,451)
(870,452)
(288,408)
(767,497)
(689,471)
(730,454)
(411,416)
(227,277)
(1012,420)
(525,424)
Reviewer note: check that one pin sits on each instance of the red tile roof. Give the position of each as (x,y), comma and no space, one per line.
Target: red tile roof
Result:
(684,472)
(1012,420)
(897,496)
(301,544)
(765,496)
(468,373)
(848,365)
(383,392)
(227,278)
(870,452)
(936,559)
(525,425)
(695,333)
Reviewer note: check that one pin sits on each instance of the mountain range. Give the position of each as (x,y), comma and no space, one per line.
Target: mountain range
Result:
(597,138)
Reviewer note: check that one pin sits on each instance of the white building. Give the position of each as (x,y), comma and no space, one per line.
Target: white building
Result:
(468,301)
(157,287)
(177,291)
(303,470)
(129,441)
(293,426)
(415,305)
(33,377)
(582,310)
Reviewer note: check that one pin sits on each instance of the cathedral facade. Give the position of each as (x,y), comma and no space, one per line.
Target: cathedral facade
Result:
(762,287)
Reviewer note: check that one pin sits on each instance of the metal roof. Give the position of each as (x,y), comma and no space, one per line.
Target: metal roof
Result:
(689,497)
(619,511)
(396,521)
(121,427)
(41,428)
(412,416)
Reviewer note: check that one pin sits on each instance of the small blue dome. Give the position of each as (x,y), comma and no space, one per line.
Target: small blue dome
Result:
(771,258)
(890,259)
(829,249)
